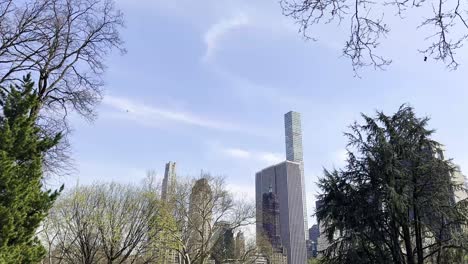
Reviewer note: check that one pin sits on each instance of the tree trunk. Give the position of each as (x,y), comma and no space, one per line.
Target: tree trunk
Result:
(395,244)
(418,232)
(408,246)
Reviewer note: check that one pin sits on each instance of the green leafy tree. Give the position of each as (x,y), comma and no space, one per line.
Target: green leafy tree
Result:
(394,202)
(23,201)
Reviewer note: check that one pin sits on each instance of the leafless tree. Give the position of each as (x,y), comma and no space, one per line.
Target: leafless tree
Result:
(198,211)
(101,223)
(63,43)
(70,231)
(124,222)
(368,26)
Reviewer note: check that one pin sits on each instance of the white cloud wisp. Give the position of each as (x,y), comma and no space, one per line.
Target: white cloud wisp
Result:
(150,115)
(217,31)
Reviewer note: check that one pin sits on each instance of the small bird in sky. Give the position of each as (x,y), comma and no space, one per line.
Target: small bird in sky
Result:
(425,58)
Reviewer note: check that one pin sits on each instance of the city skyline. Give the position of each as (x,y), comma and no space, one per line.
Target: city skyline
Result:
(193,95)
(216,132)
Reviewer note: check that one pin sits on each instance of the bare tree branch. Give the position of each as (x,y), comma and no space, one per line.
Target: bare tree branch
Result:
(367,28)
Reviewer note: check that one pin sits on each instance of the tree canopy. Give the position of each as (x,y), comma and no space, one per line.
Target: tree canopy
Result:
(395,201)
(23,201)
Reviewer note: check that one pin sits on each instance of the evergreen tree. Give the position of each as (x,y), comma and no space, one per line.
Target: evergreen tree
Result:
(394,201)
(24,202)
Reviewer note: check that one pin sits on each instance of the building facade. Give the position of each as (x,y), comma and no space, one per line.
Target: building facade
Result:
(271,224)
(284,181)
(322,240)
(200,214)
(240,245)
(294,152)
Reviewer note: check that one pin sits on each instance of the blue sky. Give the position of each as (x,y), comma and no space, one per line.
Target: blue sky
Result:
(206,84)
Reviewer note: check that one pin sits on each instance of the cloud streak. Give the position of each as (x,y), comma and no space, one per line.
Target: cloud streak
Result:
(217,31)
(150,114)
(242,154)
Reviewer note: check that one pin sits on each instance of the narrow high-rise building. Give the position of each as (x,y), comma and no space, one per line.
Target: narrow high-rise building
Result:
(283,182)
(169,180)
(240,246)
(293,133)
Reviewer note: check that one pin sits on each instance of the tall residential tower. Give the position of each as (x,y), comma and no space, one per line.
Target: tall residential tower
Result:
(280,198)
(168,183)
(293,133)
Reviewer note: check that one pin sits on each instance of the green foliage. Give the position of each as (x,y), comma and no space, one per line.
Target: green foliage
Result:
(394,196)
(23,201)
(313,261)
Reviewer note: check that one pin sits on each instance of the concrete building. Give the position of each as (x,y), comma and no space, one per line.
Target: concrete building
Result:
(240,245)
(314,233)
(312,242)
(169,180)
(200,214)
(284,182)
(168,188)
(294,152)
(224,245)
(322,240)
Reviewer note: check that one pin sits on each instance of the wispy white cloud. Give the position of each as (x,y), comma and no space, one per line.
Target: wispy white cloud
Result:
(151,115)
(237,153)
(217,31)
(261,156)
(270,157)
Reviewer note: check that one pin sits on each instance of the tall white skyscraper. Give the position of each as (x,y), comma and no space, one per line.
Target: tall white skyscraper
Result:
(293,133)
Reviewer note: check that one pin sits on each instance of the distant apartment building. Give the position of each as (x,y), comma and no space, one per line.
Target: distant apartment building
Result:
(168,189)
(223,243)
(322,240)
(314,234)
(240,245)
(169,180)
(200,214)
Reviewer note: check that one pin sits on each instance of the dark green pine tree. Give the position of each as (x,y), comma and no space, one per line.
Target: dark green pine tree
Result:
(394,200)
(24,202)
